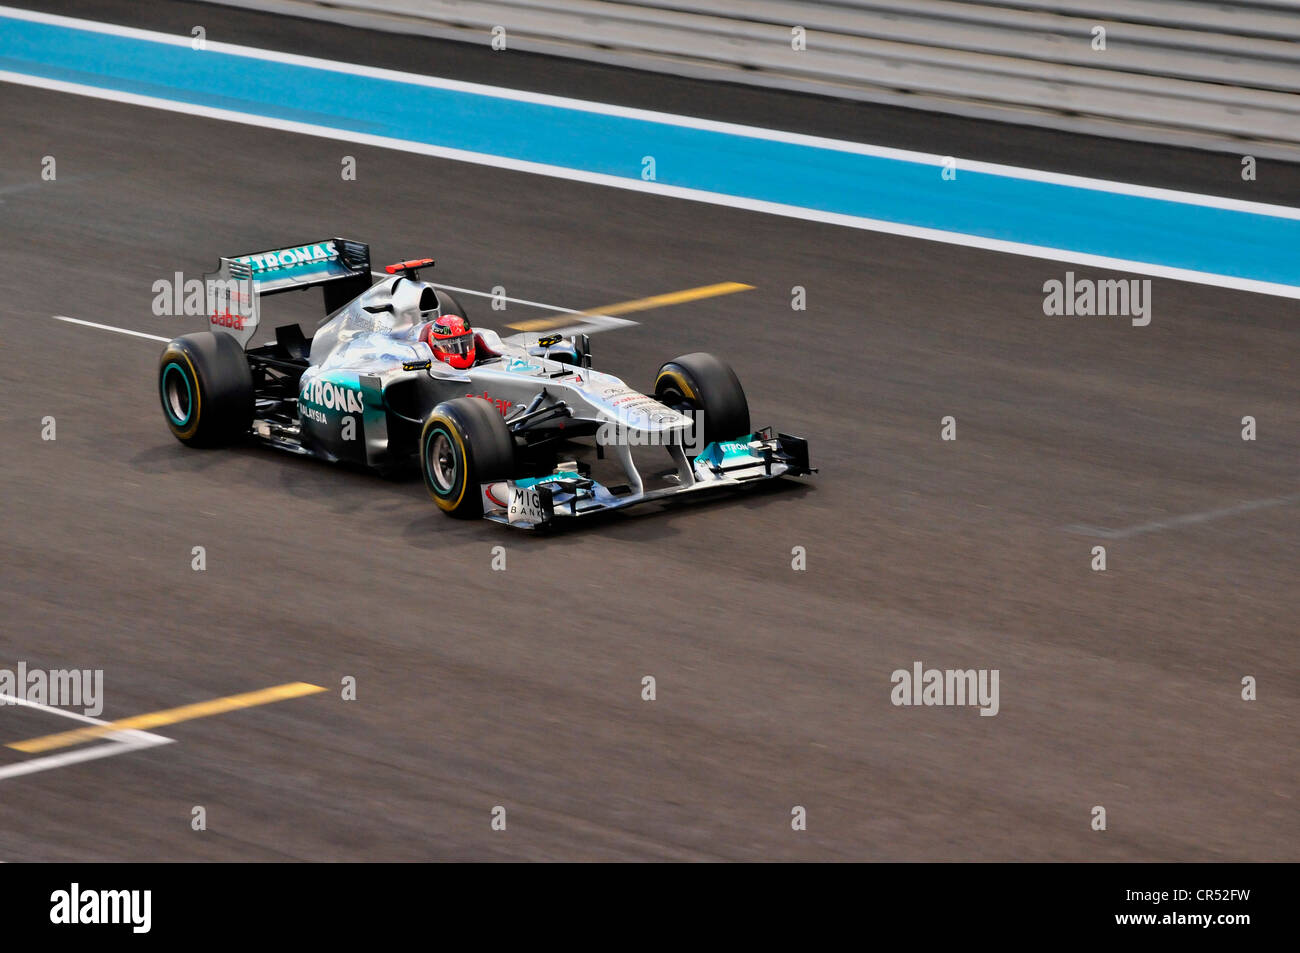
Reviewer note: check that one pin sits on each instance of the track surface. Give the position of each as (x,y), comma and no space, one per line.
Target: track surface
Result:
(522,689)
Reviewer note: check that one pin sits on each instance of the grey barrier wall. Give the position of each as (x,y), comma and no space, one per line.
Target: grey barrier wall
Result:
(1223,76)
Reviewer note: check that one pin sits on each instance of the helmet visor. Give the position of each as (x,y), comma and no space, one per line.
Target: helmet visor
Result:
(460,344)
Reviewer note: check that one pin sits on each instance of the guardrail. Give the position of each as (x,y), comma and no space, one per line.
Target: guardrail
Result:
(1210,75)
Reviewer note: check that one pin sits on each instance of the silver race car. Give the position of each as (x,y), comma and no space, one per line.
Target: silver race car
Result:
(395,374)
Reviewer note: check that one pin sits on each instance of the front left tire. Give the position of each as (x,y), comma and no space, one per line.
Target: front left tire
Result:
(464,443)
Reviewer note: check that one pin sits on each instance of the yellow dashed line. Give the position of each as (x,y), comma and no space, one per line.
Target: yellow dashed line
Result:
(627,307)
(170,716)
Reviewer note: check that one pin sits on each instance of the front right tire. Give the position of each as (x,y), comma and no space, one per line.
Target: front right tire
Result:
(702,382)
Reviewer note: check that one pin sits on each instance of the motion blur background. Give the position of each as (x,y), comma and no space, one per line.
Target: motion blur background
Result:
(1214,75)
(523,689)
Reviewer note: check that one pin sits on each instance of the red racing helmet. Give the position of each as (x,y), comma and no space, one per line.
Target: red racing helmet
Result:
(452,340)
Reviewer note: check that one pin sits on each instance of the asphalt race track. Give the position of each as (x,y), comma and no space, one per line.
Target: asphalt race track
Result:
(523,689)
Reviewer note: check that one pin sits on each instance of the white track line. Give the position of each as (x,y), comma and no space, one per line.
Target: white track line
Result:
(1079,529)
(131,734)
(109,327)
(119,742)
(712,198)
(1177,522)
(590,322)
(670,119)
(50,762)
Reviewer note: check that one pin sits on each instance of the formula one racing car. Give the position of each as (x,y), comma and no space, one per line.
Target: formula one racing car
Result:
(396,374)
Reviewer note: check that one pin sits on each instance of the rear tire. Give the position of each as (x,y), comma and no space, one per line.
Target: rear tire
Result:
(702,382)
(206,389)
(464,443)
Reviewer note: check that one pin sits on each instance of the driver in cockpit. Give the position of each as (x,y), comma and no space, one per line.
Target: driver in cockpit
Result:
(449,336)
(407,309)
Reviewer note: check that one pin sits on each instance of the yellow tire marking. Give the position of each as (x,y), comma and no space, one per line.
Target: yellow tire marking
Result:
(628,307)
(454,431)
(680,381)
(198,397)
(170,716)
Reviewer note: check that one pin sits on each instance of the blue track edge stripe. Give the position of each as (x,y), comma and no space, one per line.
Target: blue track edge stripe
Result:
(1090,223)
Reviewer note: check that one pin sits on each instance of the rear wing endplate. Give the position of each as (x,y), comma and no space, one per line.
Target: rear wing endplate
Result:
(339,266)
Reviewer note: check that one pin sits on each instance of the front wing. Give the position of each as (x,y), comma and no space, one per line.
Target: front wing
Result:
(540,502)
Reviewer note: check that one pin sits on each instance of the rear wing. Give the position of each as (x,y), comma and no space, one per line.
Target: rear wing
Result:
(340,267)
